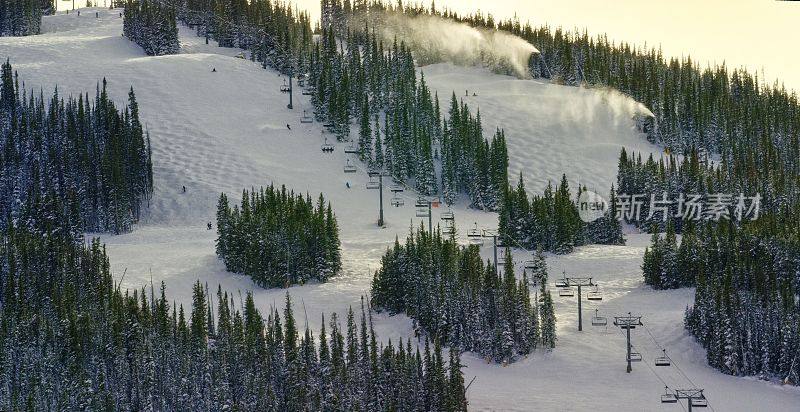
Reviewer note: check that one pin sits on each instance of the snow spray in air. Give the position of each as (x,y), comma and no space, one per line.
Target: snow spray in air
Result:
(434,39)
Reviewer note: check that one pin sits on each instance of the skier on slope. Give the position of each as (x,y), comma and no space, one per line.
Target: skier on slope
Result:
(288,127)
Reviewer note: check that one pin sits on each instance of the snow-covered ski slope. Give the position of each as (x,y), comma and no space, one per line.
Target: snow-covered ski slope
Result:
(225,131)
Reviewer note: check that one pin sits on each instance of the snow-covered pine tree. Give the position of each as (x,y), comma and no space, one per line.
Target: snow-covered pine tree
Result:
(152,25)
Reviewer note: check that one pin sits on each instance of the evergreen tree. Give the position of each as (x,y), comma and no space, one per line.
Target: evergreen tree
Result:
(456,299)
(152,25)
(278,238)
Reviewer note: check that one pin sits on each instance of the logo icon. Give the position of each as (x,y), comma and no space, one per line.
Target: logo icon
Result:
(591,206)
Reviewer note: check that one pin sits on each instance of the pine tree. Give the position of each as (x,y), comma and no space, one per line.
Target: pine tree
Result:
(548,319)
(365,133)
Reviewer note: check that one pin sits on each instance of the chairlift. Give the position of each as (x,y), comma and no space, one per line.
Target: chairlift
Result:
(349,168)
(397,201)
(373,184)
(327,147)
(447,215)
(421,202)
(566,292)
(397,187)
(663,360)
(474,235)
(668,397)
(562,283)
(285,87)
(529,265)
(635,357)
(422,212)
(351,148)
(306,118)
(594,295)
(598,320)
(449,230)
(306,92)
(700,402)
(625,325)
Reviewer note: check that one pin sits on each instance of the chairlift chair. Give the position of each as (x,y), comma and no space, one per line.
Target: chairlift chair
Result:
(421,202)
(373,184)
(422,212)
(594,295)
(635,357)
(447,215)
(663,360)
(306,92)
(598,320)
(529,265)
(668,397)
(306,118)
(700,402)
(397,188)
(327,147)
(474,235)
(566,292)
(561,283)
(349,168)
(449,230)
(397,201)
(351,149)
(285,87)
(625,326)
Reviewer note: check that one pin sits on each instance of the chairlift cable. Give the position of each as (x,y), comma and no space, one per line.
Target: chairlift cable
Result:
(675,364)
(653,371)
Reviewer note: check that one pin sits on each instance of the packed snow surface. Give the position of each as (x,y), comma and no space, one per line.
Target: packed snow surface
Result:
(226,130)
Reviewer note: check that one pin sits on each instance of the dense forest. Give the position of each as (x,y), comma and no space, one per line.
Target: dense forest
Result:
(458,300)
(551,222)
(151,24)
(82,159)
(275,34)
(278,238)
(23,17)
(368,81)
(71,339)
(742,257)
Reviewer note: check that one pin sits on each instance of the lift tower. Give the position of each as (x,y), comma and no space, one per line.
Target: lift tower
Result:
(627,323)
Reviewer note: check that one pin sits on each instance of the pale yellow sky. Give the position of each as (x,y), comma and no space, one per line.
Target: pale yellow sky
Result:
(758,34)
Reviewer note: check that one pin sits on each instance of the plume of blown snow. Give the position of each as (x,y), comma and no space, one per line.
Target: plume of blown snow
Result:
(434,40)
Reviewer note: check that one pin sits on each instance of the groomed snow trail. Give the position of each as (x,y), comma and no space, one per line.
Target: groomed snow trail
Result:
(226,130)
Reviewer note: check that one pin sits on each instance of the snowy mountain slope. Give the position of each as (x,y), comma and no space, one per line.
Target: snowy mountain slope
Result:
(225,131)
(550,129)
